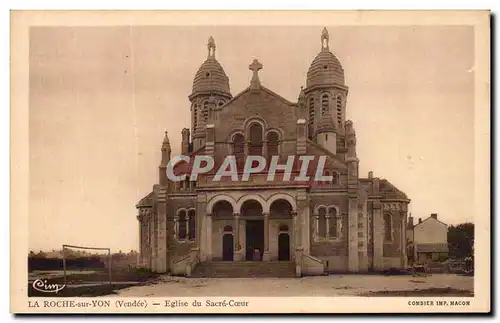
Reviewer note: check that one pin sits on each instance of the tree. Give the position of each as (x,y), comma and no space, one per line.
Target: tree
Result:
(461,240)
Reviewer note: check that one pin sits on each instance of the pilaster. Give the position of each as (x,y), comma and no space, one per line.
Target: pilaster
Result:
(353,258)
(378,236)
(161,212)
(266,256)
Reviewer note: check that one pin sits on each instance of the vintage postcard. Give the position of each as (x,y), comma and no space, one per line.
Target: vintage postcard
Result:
(250,162)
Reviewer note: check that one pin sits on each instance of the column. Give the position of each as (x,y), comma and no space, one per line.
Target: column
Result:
(237,247)
(208,219)
(295,232)
(266,256)
(316,227)
(352,229)
(161,231)
(176,226)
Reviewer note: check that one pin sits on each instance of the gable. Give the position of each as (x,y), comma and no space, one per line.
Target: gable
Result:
(271,109)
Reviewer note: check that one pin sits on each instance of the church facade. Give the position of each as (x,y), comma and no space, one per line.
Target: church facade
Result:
(347,224)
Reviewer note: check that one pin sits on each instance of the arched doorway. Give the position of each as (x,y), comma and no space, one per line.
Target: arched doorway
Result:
(283,243)
(251,212)
(283,247)
(227,247)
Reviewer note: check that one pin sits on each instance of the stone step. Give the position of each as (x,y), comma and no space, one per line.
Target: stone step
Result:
(240,269)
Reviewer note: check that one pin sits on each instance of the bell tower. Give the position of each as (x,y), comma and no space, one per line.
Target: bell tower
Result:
(325,91)
(210,92)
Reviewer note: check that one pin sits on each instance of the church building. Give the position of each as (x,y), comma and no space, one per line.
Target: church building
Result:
(348,224)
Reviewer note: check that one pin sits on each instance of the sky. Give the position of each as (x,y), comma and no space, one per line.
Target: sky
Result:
(102,97)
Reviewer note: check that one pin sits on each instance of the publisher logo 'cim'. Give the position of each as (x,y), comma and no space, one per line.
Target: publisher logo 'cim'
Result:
(43,286)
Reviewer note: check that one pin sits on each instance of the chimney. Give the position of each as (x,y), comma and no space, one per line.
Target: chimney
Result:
(419,220)
(370,175)
(434,216)
(410,222)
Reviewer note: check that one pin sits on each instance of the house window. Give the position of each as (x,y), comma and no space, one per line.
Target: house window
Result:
(192,224)
(387,227)
(182,223)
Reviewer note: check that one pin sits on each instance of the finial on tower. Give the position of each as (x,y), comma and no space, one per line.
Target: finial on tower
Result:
(211,47)
(324,39)
(302,94)
(255,67)
(166,141)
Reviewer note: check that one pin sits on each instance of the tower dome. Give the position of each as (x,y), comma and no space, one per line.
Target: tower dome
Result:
(325,68)
(211,77)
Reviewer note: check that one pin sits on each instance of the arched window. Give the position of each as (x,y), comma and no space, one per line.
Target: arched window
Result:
(332,212)
(192,224)
(255,132)
(387,227)
(339,109)
(195,115)
(272,144)
(239,148)
(205,111)
(228,228)
(311,117)
(182,225)
(322,222)
(325,103)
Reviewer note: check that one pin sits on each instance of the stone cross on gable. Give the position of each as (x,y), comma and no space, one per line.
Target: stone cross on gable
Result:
(255,67)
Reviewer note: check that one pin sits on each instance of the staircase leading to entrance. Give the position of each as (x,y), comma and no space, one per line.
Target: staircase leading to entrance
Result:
(242,269)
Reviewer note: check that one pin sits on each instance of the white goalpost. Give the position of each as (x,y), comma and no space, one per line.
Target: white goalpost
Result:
(69,247)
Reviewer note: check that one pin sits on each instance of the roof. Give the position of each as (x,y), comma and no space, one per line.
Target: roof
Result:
(325,69)
(432,247)
(211,77)
(145,201)
(263,89)
(430,217)
(389,191)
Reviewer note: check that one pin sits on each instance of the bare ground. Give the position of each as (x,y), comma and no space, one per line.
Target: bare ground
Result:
(333,285)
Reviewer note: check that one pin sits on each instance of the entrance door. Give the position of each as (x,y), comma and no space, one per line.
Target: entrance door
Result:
(284,247)
(254,230)
(227,247)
